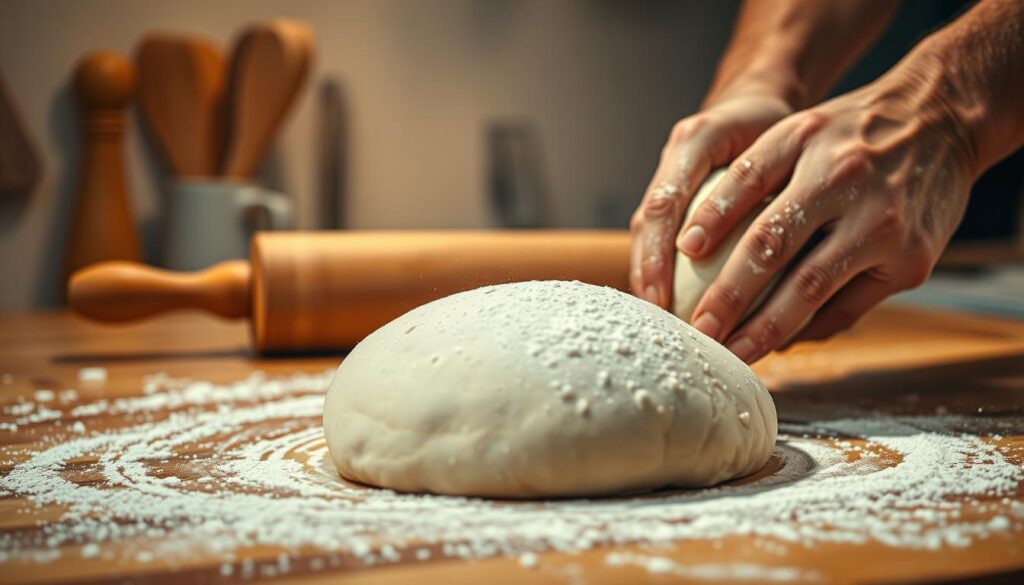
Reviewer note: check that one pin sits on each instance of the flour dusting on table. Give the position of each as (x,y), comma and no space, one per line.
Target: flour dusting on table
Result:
(732,572)
(194,466)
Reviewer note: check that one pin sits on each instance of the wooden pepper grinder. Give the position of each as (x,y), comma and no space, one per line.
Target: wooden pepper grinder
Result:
(102,227)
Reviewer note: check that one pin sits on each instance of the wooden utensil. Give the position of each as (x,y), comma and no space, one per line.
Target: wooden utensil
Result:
(102,226)
(269,64)
(19,163)
(182,82)
(329,290)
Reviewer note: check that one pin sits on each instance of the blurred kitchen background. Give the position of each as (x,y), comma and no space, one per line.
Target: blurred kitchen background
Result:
(415,114)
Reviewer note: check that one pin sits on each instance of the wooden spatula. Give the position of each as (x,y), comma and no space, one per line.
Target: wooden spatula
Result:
(269,64)
(182,82)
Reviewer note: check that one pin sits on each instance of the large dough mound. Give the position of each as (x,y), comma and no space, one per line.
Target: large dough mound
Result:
(544,389)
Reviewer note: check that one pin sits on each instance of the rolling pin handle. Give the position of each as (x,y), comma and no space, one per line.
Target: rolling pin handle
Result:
(125,291)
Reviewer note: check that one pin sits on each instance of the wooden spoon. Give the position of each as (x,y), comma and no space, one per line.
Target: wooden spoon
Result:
(269,64)
(181,90)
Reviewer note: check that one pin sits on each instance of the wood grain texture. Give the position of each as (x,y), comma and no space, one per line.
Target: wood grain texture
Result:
(897,361)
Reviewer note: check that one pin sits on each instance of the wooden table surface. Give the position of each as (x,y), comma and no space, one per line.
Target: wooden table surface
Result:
(898,360)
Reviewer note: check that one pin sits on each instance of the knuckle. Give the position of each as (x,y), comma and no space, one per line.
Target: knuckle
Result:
(850,162)
(679,131)
(765,243)
(813,284)
(748,174)
(769,333)
(686,128)
(807,123)
(657,207)
(709,215)
(724,297)
(887,225)
(666,190)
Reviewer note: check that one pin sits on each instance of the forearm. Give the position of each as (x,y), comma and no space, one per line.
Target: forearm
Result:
(797,49)
(976,67)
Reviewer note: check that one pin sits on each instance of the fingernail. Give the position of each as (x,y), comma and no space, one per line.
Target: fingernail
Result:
(708,324)
(743,348)
(651,295)
(693,240)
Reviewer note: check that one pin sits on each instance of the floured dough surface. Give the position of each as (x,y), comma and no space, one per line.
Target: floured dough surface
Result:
(546,388)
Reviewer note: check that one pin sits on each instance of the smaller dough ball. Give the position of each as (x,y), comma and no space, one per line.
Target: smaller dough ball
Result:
(539,389)
(693,277)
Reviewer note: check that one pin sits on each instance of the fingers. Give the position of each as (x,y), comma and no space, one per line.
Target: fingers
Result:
(656,222)
(804,290)
(757,173)
(652,253)
(858,297)
(761,253)
(635,252)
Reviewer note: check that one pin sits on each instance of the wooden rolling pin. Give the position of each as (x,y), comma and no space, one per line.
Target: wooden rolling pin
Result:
(329,290)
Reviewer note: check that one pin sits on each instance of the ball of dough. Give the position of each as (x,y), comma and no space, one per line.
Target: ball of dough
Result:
(693,277)
(544,389)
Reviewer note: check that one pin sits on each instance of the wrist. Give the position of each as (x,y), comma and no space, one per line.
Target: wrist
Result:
(976,80)
(756,84)
(765,70)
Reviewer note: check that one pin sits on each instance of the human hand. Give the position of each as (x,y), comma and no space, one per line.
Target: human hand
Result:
(697,144)
(881,173)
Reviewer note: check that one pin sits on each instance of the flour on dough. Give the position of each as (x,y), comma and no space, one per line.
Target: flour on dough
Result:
(544,389)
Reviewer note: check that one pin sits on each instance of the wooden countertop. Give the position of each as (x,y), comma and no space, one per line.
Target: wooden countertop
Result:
(898,360)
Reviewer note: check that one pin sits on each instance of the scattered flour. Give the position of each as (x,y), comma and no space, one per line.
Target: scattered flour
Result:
(211,467)
(90,551)
(755,267)
(528,560)
(723,204)
(44,395)
(730,572)
(28,413)
(94,374)
(665,190)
